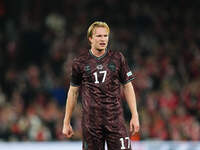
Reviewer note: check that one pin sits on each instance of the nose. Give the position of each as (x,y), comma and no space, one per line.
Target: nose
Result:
(103,38)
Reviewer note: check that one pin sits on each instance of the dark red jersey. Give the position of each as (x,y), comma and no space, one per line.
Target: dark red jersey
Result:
(100,79)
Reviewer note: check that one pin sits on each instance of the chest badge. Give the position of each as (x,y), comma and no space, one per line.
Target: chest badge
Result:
(112,66)
(100,67)
(87,68)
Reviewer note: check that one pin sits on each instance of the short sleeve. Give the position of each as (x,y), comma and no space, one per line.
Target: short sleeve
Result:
(125,74)
(75,74)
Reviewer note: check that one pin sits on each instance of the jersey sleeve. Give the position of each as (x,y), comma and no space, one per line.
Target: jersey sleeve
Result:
(75,74)
(125,74)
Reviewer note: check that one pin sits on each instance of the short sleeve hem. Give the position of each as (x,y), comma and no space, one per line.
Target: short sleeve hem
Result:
(128,81)
(76,85)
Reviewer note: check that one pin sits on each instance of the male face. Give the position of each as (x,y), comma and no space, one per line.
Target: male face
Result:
(99,39)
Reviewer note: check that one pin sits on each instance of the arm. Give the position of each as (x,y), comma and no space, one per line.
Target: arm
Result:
(71,102)
(131,100)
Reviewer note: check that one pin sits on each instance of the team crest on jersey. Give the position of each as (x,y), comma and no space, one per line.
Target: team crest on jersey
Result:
(112,66)
(87,68)
(99,67)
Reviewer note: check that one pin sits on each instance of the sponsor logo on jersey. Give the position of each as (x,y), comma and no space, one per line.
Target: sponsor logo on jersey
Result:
(129,74)
(99,67)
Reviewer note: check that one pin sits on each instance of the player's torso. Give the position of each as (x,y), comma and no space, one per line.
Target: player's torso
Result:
(100,76)
(101,88)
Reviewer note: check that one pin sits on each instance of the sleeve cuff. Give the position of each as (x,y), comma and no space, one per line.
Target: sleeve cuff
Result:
(73,84)
(128,81)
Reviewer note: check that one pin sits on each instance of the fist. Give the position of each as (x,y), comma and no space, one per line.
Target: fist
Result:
(67,131)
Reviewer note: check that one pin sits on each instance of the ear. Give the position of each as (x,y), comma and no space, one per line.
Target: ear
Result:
(90,39)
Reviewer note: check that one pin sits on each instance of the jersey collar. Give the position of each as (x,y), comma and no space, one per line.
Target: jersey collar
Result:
(98,58)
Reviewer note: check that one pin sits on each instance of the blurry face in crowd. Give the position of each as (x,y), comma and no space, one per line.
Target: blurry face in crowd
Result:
(99,38)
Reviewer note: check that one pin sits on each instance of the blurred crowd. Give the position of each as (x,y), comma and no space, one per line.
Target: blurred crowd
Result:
(40,38)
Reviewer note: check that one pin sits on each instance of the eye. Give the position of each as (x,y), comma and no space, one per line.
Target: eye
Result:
(98,35)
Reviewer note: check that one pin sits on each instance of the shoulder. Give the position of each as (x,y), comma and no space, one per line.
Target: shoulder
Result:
(81,57)
(116,54)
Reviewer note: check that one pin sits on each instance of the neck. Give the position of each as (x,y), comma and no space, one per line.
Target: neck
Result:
(98,53)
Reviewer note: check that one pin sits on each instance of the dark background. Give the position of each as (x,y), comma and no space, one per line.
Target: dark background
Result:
(40,38)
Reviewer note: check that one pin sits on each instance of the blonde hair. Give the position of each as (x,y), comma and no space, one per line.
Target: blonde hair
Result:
(97,24)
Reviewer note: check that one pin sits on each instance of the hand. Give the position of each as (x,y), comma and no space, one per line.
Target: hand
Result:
(67,130)
(134,125)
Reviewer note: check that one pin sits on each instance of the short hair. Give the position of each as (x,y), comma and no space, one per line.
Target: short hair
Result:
(97,24)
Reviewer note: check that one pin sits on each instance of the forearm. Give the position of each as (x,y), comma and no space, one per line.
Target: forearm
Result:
(131,99)
(71,102)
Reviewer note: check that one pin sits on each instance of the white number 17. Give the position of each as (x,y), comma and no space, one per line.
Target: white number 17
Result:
(123,142)
(96,76)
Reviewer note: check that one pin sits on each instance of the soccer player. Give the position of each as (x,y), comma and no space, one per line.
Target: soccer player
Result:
(99,72)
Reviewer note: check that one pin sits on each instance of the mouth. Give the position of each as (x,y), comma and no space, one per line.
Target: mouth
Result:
(102,44)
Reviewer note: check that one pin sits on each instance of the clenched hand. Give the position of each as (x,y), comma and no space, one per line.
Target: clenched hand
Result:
(67,130)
